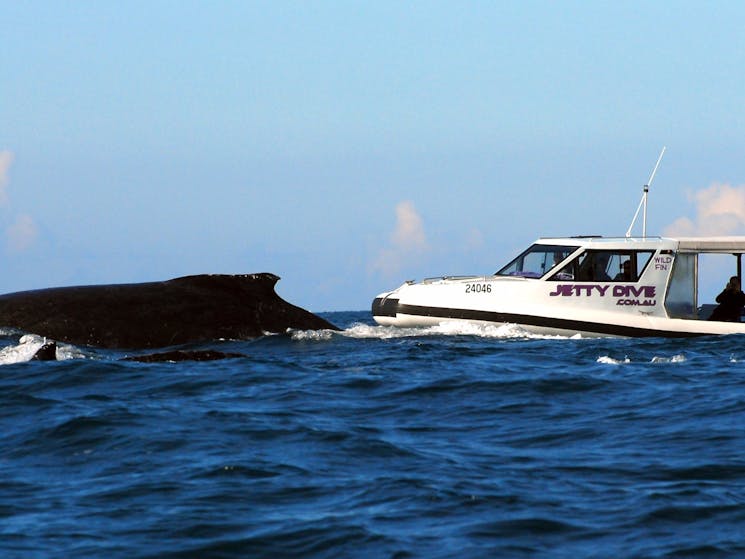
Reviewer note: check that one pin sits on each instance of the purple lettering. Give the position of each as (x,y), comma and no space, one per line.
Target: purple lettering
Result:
(636,291)
(562,291)
(588,289)
(577,290)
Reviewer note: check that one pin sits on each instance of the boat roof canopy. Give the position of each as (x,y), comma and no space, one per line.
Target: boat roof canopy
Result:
(723,245)
(712,245)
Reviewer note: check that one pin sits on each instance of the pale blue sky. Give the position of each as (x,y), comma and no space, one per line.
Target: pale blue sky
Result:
(146,140)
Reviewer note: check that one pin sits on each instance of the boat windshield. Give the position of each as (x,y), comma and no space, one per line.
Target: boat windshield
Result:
(536,261)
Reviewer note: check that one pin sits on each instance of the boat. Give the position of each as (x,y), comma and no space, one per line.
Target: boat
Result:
(631,286)
(592,286)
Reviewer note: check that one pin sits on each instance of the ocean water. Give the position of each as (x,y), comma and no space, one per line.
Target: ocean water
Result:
(375,442)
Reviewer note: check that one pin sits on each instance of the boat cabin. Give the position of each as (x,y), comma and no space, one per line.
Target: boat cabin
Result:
(671,265)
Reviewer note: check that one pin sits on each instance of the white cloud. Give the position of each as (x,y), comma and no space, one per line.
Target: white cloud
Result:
(720,210)
(409,233)
(22,234)
(407,241)
(6,158)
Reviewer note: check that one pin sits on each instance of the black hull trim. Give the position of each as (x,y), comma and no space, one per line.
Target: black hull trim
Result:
(385,307)
(530,320)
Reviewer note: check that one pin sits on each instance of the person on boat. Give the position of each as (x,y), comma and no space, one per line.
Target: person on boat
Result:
(594,268)
(731,302)
(625,273)
(600,267)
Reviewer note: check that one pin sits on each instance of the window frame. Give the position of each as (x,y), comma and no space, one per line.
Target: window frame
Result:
(519,261)
(582,269)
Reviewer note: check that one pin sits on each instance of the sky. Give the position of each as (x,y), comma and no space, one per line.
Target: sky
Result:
(350,146)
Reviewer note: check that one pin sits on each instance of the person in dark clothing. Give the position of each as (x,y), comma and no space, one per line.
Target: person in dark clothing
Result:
(731,302)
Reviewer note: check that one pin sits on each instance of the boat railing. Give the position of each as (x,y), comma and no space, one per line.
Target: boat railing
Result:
(441,278)
(602,239)
(629,239)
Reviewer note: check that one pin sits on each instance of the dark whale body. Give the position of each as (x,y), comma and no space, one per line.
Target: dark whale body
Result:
(158,314)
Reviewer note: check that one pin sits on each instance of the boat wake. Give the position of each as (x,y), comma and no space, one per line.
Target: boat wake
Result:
(453,328)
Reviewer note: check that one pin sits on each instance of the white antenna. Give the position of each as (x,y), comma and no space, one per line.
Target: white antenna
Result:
(643,202)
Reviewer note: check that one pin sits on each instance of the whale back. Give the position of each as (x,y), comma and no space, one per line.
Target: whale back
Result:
(183,310)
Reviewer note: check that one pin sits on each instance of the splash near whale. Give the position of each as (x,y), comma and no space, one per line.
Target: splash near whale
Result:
(184,310)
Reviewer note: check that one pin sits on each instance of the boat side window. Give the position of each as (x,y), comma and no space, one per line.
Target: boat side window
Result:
(536,261)
(605,265)
(681,297)
(643,258)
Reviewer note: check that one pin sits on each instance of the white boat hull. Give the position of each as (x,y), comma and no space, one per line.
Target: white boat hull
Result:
(550,305)
(556,326)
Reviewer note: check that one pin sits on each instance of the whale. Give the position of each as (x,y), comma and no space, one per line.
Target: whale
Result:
(184,310)
(48,352)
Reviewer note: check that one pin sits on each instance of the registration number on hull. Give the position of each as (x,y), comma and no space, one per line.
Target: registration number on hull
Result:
(478,288)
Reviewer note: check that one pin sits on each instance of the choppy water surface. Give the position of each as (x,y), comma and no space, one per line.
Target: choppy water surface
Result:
(375,442)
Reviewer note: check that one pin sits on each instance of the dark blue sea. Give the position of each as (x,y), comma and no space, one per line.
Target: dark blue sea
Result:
(376,442)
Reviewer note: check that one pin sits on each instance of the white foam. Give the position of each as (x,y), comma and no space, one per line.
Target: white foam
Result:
(480,330)
(443,329)
(27,347)
(680,358)
(66,351)
(311,335)
(607,360)
(29,344)
(451,328)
